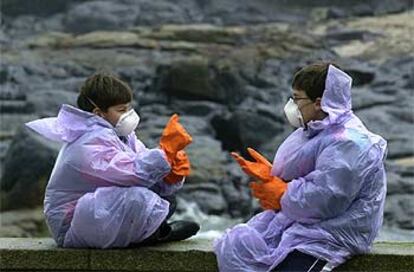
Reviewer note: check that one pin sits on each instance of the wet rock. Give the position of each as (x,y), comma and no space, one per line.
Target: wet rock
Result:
(338,35)
(397,184)
(4,40)
(229,84)
(200,33)
(207,196)
(398,134)
(23,223)
(367,98)
(247,12)
(399,211)
(166,12)
(12,74)
(275,74)
(402,77)
(50,39)
(360,77)
(102,39)
(269,148)
(10,123)
(42,70)
(208,162)
(196,125)
(27,166)
(36,7)
(357,8)
(391,43)
(204,109)
(199,79)
(155,117)
(153,120)
(400,147)
(24,26)
(245,128)
(47,103)
(236,192)
(4,145)
(403,167)
(15,106)
(100,15)
(138,77)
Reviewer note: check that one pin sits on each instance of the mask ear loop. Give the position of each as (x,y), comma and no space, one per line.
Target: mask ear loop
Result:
(302,123)
(90,101)
(93,103)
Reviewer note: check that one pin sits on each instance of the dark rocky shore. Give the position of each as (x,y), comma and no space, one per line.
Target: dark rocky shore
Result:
(224,66)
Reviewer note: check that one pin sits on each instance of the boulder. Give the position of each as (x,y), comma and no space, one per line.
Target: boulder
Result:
(245,128)
(27,166)
(205,109)
(10,123)
(399,211)
(383,121)
(103,39)
(100,15)
(208,197)
(12,74)
(35,7)
(167,12)
(208,162)
(199,78)
(398,184)
(47,103)
(23,223)
(236,192)
(361,76)
(207,158)
(366,98)
(15,106)
(270,147)
(200,33)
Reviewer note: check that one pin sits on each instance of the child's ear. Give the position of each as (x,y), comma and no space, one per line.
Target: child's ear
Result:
(97,112)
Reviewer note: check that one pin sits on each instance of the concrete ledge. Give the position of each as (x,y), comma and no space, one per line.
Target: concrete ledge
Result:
(43,254)
(29,254)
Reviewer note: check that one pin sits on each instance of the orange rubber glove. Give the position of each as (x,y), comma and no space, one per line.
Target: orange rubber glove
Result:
(174,138)
(269,193)
(180,167)
(259,169)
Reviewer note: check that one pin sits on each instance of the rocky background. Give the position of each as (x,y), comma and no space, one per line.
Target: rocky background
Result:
(224,65)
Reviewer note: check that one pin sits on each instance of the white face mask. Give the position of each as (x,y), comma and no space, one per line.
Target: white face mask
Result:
(293,114)
(127,123)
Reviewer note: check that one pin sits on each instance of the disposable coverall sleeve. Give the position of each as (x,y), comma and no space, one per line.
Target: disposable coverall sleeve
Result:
(328,190)
(161,188)
(165,189)
(108,163)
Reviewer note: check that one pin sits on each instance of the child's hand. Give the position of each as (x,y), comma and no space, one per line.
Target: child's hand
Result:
(174,138)
(269,193)
(180,167)
(259,169)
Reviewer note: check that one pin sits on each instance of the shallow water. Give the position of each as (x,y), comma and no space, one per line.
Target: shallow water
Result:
(212,226)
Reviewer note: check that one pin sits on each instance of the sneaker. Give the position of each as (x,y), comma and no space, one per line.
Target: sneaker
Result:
(180,230)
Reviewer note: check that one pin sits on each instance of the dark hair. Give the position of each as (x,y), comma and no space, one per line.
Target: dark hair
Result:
(105,90)
(311,79)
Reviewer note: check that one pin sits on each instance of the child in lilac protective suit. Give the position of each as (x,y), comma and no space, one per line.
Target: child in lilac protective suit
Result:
(324,195)
(107,189)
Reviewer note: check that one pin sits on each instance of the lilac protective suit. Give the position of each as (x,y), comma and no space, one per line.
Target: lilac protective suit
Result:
(103,191)
(333,206)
